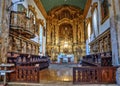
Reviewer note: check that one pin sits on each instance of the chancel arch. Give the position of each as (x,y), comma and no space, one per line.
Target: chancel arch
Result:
(65,32)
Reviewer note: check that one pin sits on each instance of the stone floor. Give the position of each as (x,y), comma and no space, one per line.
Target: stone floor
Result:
(56,75)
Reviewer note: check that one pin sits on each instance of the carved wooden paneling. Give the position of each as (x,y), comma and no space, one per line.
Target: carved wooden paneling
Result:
(27,74)
(18,20)
(22,45)
(26,67)
(102,43)
(100,59)
(87,75)
(22,25)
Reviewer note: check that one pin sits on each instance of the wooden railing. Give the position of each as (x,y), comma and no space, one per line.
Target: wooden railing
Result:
(25,74)
(94,75)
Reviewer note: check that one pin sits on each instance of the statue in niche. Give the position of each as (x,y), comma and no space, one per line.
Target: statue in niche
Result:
(66,33)
(66,50)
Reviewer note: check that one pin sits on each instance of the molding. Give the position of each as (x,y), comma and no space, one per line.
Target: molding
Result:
(86,9)
(41,8)
(40,21)
(65,20)
(32,9)
(25,39)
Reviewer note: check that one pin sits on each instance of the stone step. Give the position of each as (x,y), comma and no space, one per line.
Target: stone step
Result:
(56,84)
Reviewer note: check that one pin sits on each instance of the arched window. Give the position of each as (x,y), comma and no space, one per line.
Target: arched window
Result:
(89,31)
(41,39)
(95,19)
(21,8)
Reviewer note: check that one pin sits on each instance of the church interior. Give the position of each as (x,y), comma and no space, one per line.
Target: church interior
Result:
(59,42)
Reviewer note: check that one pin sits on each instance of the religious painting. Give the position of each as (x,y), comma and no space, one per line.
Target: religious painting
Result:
(104,10)
(66,33)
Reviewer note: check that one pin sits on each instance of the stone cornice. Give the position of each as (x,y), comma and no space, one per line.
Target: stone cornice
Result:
(40,7)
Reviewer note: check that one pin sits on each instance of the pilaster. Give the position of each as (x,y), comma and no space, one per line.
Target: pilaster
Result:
(4,29)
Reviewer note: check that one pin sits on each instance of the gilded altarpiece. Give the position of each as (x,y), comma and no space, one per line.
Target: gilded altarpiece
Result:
(65,32)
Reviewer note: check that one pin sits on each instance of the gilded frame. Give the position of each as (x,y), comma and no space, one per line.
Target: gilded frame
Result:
(104,10)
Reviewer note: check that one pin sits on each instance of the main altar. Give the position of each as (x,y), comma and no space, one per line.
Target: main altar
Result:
(65,58)
(65,33)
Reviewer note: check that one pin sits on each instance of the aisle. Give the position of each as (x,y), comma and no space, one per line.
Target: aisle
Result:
(57,73)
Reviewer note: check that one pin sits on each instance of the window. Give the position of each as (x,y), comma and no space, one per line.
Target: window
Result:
(89,31)
(20,8)
(41,38)
(95,20)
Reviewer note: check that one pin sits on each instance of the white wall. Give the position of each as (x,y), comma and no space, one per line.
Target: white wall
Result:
(87,47)
(102,27)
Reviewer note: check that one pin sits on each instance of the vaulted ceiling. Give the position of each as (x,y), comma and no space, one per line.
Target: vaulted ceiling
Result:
(50,4)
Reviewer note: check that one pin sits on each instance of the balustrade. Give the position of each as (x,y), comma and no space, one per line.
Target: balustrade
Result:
(27,74)
(94,75)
